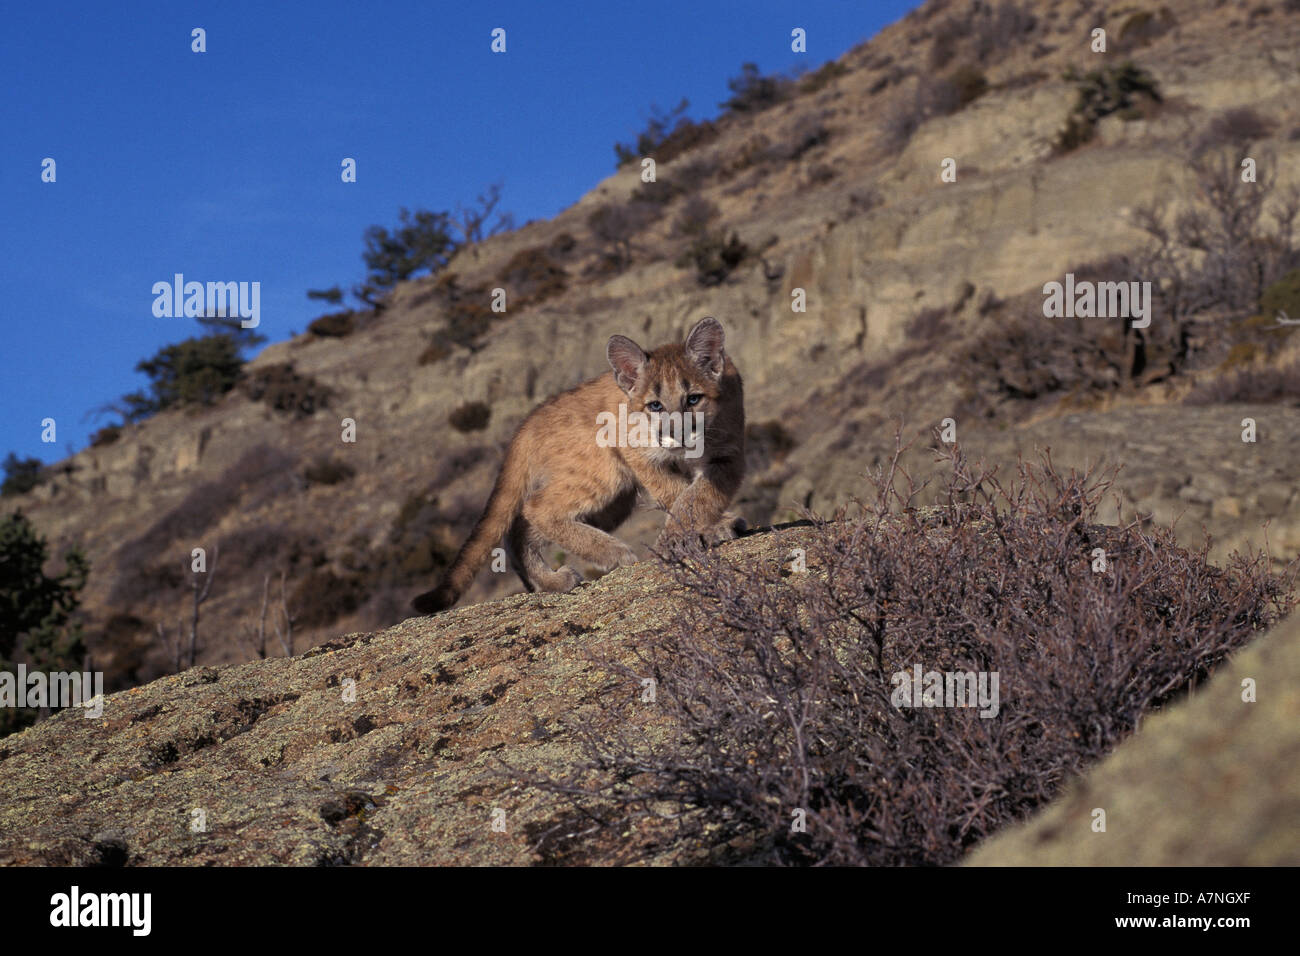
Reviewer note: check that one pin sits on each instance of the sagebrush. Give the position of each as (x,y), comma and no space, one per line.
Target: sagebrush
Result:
(774,684)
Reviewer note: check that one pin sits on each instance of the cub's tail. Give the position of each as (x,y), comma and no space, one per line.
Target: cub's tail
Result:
(502,508)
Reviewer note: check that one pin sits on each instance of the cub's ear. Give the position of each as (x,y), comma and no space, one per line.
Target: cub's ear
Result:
(626,359)
(704,346)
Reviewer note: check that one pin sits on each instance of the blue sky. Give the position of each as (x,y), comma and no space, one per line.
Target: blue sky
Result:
(224,165)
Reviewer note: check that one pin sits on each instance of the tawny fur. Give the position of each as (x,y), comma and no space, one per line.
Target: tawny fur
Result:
(559,488)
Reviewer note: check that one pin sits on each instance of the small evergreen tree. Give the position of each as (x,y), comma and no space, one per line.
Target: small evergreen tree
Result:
(424,241)
(196,371)
(36,610)
(332,295)
(21,475)
(752,92)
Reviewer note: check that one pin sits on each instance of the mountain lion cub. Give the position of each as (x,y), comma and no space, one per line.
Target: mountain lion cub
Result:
(572,471)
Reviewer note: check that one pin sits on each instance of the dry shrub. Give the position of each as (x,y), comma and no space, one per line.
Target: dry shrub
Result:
(819,174)
(1126,89)
(615,225)
(106,436)
(930,97)
(1021,80)
(533,276)
(1243,353)
(562,246)
(328,471)
(658,193)
(776,688)
(667,135)
(435,351)
(686,136)
(469,315)
(982,30)
(696,215)
(1222,265)
(285,390)
(268,547)
(1223,251)
(754,151)
(694,174)
(947,40)
(335,325)
(470,417)
(468,318)
(864,201)
(997,28)
(1037,356)
(1282,296)
(1262,335)
(1269,384)
(1236,128)
(714,256)
(808,132)
(823,76)
(752,92)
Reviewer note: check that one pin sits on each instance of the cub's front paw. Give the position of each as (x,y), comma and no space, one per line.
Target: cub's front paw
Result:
(729,526)
(671,537)
(726,528)
(718,533)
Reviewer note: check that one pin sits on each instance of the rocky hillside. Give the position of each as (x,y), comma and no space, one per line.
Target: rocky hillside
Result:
(920,298)
(419,745)
(286,770)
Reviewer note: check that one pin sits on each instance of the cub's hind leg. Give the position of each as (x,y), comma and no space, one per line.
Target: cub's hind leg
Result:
(563,529)
(516,548)
(527,552)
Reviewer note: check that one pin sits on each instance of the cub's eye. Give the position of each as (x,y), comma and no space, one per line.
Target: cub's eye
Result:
(655,406)
(693,399)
